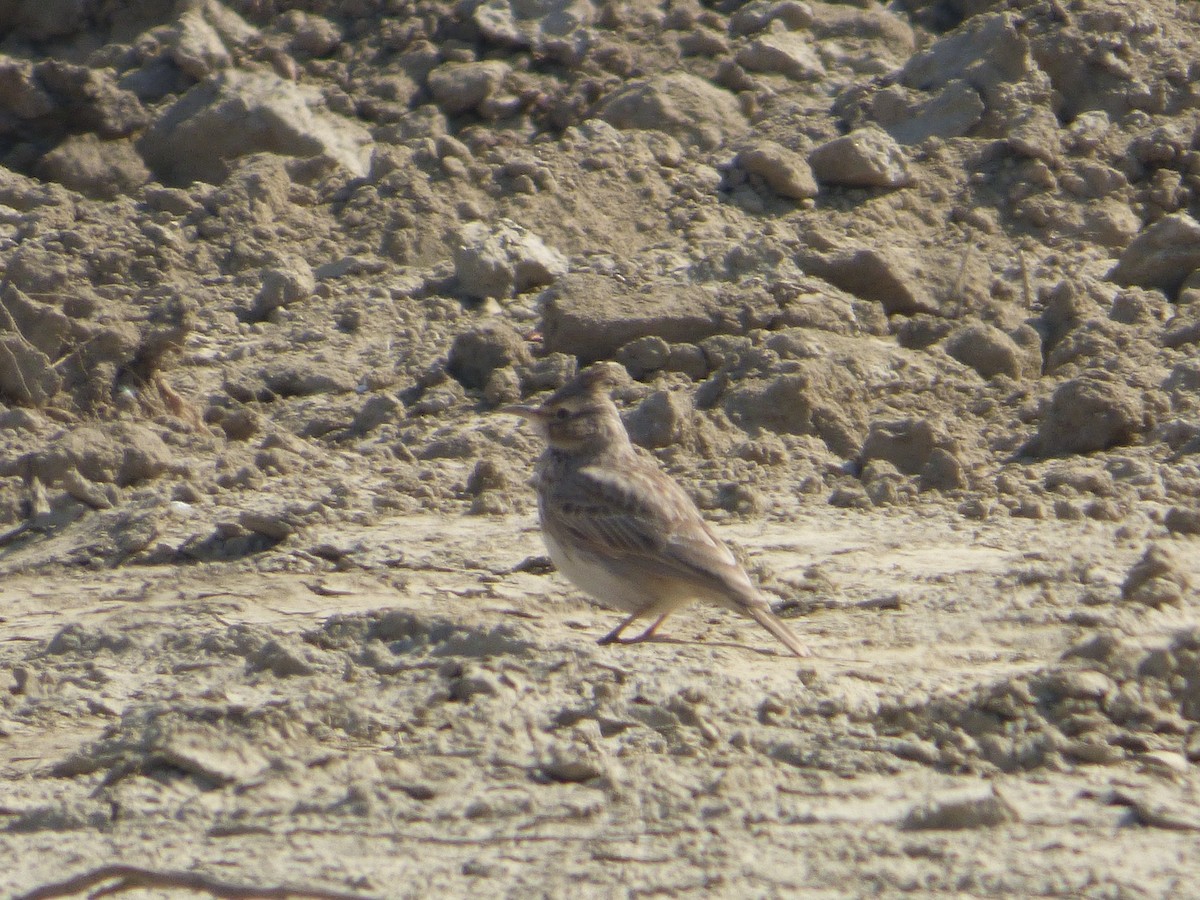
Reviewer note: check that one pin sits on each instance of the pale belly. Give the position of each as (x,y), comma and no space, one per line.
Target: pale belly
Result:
(633,595)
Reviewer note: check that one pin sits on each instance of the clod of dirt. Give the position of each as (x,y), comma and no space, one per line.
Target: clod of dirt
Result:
(662,419)
(591,316)
(27,376)
(894,279)
(991,352)
(557,30)
(987,52)
(905,443)
(1088,414)
(1156,579)
(786,53)
(477,353)
(818,400)
(121,454)
(282,286)
(1182,520)
(460,87)
(496,260)
(237,113)
(683,105)
(785,172)
(965,810)
(912,117)
(867,157)
(644,355)
(757,15)
(101,170)
(943,471)
(1162,256)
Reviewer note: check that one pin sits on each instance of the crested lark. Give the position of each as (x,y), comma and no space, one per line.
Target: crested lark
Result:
(619,527)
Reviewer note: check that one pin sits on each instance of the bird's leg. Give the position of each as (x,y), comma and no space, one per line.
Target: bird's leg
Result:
(614,636)
(648,633)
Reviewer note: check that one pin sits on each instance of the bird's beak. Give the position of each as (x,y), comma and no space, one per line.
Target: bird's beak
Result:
(534,415)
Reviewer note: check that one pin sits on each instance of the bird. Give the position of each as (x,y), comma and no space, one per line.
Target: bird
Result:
(619,527)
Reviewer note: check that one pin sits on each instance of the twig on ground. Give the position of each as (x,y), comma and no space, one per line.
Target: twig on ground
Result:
(130,877)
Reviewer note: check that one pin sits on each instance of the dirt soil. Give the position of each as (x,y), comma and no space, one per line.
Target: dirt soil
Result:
(909,298)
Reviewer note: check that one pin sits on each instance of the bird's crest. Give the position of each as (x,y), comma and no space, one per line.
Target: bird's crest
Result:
(599,378)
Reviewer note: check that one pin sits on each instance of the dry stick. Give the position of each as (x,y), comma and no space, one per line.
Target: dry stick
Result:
(1026,288)
(960,281)
(136,877)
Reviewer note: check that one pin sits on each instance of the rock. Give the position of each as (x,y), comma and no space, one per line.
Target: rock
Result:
(786,172)
(272,524)
(883,483)
(289,377)
(943,472)
(682,105)
(987,52)
(1088,414)
(644,355)
(952,112)
(758,14)
(897,280)
(101,170)
(90,99)
(22,420)
(1162,256)
(987,350)
(282,658)
(959,811)
(554,28)
(376,410)
(818,399)
(41,20)
(198,50)
(303,378)
(27,376)
(591,316)
(496,260)
(1066,306)
(1187,333)
(662,419)
(20,94)
(34,272)
(1137,306)
(1035,133)
(866,157)
(238,113)
(460,87)
(880,32)
(786,53)
(284,285)
(921,330)
(122,454)
(239,424)
(1189,291)
(906,443)
(477,353)
(87,492)
(315,36)
(208,753)
(1181,520)
(1156,579)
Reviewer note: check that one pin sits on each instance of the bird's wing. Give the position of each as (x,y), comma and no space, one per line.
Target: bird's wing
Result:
(639,515)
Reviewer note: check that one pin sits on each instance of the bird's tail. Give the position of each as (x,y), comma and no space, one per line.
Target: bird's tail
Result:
(763,616)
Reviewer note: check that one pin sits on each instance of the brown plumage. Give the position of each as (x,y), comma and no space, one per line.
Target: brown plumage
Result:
(619,527)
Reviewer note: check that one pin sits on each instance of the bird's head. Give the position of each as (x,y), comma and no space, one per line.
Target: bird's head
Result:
(580,416)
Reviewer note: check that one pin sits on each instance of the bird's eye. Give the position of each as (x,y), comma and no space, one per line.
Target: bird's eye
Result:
(562,413)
